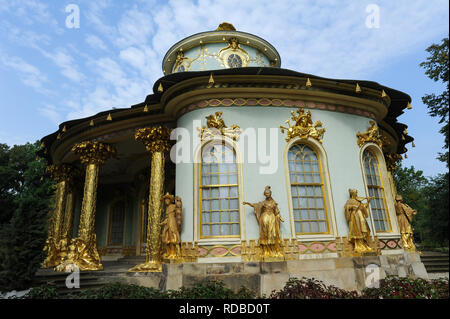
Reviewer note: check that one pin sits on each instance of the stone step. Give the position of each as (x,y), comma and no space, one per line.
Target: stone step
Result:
(435,262)
(431,260)
(434,269)
(135,260)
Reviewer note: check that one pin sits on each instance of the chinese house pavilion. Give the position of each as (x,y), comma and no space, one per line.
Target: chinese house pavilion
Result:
(233,160)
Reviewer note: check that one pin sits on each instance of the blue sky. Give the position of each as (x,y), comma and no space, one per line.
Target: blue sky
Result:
(50,73)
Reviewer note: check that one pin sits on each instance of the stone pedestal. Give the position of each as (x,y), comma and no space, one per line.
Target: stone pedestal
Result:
(350,273)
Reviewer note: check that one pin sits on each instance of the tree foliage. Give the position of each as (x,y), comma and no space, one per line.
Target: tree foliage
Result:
(436,68)
(26,195)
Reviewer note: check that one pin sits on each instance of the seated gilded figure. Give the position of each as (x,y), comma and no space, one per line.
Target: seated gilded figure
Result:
(170,234)
(356,213)
(269,218)
(404,216)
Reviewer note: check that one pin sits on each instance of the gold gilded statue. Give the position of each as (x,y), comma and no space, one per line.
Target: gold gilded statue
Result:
(356,213)
(268,217)
(404,217)
(172,227)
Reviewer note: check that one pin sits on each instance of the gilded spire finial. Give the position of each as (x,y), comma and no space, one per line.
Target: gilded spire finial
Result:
(308,83)
(211,79)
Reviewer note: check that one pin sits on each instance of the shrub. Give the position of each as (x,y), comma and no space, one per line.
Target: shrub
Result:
(118,290)
(42,292)
(390,288)
(311,289)
(407,288)
(211,289)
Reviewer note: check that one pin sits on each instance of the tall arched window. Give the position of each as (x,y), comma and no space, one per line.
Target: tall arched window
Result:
(376,189)
(219,198)
(117,223)
(307,190)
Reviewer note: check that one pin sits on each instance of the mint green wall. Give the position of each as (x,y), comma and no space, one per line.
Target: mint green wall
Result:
(210,60)
(339,143)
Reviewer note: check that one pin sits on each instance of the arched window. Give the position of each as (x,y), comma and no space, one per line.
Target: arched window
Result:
(117,223)
(219,198)
(376,189)
(307,190)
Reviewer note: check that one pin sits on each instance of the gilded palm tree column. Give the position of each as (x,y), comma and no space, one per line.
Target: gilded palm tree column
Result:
(157,142)
(82,250)
(68,216)
(56,249)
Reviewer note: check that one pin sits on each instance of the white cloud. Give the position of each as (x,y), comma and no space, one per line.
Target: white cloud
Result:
(134,28)
(66,63)
(95,42)
(29,74)
(51,112)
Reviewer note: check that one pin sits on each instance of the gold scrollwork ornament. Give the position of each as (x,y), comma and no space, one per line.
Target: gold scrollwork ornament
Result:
(303,126)
(372,134)
(215,126)
(233,56)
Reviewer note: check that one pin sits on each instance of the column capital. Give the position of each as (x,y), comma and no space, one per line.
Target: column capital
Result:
(155,139)
(93,152)
(62,172)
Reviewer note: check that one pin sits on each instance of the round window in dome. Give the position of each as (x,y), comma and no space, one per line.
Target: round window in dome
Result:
(234,61)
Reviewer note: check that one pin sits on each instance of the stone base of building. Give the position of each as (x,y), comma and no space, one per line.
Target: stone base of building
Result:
(351,273)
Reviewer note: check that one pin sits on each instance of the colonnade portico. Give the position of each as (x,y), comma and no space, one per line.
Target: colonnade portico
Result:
(82,251)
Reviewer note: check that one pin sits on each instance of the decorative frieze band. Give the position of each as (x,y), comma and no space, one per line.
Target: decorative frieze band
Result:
(274,102)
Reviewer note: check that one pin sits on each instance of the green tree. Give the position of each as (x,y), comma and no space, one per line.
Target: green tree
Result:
(436,68)
(435,221)
(8,189)
(23,237)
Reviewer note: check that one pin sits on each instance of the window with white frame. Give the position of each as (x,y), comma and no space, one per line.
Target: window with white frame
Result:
(307,190)
(219,197)
(375,188)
